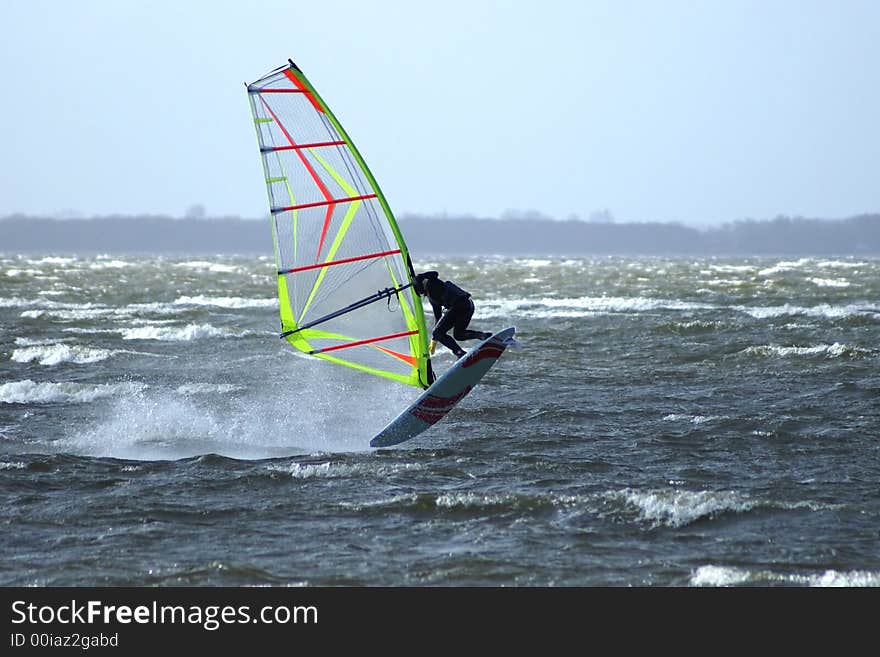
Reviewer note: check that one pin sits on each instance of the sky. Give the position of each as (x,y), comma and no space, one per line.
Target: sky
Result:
(699,112)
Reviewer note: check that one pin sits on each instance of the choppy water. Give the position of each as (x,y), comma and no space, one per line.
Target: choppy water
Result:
(667,422)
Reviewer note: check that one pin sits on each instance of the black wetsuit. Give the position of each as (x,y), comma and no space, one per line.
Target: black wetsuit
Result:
(458,311)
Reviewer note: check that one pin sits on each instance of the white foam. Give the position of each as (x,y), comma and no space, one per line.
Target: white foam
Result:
(177,334)
(213,267)
(109,264)
(822,310)
(165,424)
(694,419)
(677,508)
(330,470)
(226,302)
(549,307)
(208,388)
(720,576)
(52,260)
(471,499)
(733,269)
(783,266)
(829,282)
(60,353)
(31,392)
(839,264)
(835,350)
(732,576)
(14,273)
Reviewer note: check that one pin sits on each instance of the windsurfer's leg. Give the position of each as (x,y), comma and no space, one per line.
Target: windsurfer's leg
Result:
(440,334)
(463,316)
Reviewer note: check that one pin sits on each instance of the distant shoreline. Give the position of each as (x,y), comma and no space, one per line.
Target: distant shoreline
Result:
(859,235)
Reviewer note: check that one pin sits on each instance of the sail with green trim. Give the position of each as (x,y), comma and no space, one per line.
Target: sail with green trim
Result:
(344,271)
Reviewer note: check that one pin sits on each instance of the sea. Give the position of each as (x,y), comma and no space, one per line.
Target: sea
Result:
(662,422)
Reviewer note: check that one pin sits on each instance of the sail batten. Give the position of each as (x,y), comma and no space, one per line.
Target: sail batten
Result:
(316,204)
(336,239)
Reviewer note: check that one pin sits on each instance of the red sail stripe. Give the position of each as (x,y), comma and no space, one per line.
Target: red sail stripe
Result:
(317,144)
(314,175)
(331,201)
(301,87)
(340,262)
(363,342)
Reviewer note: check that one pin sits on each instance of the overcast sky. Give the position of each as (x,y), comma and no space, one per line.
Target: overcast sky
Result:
(696,111)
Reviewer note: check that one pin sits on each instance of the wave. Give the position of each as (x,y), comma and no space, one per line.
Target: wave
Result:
(694,419)
(467,502)
(821,310)
(835,350)
(733,576)
(330,470)
(14,273)
(829,282)
(214,267)
(226,302)
(178,334)
(677,508)
(731,269)
(60,353)
(32,392)
(110,264)
(581,306)
(55,354)
(839,264)
(783,266)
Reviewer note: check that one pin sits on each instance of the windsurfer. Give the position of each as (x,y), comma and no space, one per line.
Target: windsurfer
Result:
(459,308)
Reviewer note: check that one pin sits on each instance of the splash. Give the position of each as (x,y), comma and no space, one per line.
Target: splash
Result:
(250,423)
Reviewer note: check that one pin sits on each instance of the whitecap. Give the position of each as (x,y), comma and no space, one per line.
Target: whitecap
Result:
(720,576)
(54,354)
(214,267)
(548,307)
(471,499)
(14,273)
(783,266)
(226,302)
(47,392)
(821,310)
(677,508)
(834,350)
(109,264)
(838,264)
(176,334)
(694,419)
(732,576)
(829,282)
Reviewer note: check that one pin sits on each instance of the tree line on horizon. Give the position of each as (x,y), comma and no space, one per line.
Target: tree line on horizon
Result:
(859,235)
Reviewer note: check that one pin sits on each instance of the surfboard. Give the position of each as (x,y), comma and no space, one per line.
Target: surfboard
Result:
(449,389)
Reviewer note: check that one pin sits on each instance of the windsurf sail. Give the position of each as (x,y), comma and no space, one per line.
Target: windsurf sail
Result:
(344,271)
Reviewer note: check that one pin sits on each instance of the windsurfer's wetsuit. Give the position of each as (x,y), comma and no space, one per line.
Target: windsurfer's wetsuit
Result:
(458,313)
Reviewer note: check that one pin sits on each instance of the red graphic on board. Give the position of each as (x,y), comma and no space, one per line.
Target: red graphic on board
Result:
(488,350)
(432,408)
